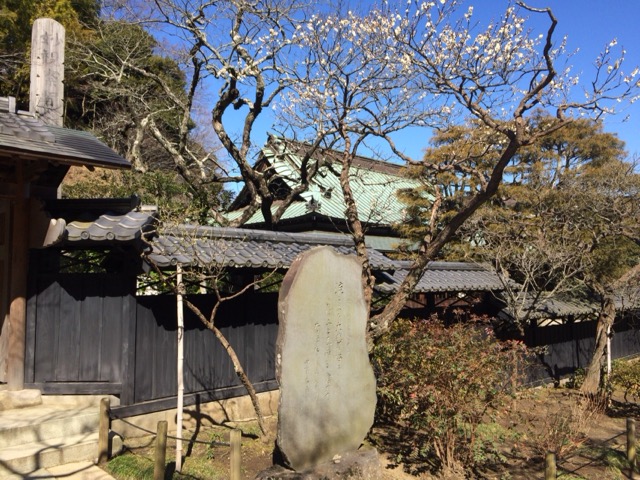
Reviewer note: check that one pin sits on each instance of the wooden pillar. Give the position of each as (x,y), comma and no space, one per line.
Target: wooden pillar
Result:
(18,281)
(46,95)
(5,268)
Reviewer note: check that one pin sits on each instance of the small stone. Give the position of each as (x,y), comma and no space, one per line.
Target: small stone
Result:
(363,464)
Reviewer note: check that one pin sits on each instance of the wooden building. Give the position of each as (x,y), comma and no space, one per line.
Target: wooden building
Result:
(321,208)
(34,158)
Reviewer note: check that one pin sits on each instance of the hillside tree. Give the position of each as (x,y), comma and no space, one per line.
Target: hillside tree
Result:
(133,111)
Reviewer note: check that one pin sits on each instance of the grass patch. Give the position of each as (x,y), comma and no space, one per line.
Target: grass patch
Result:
(130,467)
(613,460)
(206,459)
(490,438)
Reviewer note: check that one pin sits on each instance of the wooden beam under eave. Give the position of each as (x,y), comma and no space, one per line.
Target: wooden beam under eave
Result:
(17,314)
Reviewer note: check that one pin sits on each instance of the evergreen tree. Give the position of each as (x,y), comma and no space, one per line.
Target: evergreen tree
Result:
(565,221)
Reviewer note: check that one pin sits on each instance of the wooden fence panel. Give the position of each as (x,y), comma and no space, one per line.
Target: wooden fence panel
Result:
(626,338)
(46,330)
(68,352)
(207,365)
(77,331)
(569,346)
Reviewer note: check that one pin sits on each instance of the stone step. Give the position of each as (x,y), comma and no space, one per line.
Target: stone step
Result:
(10,399)
(41,423)
(85,470)
(26,459)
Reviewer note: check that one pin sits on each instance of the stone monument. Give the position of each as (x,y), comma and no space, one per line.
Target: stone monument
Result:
(327,385)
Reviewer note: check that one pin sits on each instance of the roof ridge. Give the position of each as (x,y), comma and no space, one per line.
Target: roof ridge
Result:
(447,265)
(359,160)
(254,234)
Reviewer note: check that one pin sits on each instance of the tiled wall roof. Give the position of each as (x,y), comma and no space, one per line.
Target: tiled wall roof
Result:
(234,247)
(445,277)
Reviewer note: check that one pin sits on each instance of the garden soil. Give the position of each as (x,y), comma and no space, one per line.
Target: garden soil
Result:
(592,446)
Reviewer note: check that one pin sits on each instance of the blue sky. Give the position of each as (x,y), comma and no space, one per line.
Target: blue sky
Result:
(589,25)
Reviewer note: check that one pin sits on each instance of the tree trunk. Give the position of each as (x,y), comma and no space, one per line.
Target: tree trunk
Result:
(591,385)
(237,366)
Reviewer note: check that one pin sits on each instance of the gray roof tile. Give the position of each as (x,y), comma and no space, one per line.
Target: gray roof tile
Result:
(552,308)
(109,228)
(444,277)
(234,247)
(23,134)
(559,307)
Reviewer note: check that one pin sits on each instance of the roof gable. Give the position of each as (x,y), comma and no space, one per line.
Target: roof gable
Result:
(374,183)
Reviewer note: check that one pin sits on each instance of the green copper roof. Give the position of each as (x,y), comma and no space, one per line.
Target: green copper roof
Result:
(374,184)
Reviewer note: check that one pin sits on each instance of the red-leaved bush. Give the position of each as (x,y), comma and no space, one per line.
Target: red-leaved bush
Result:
(436,383)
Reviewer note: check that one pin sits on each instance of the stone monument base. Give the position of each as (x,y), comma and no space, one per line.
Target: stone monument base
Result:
(363,464)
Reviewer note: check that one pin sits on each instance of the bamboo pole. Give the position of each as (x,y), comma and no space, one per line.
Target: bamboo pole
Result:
(180,369)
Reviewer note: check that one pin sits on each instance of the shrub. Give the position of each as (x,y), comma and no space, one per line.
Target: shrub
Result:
(625,375)
(436,383)
(564,428)
(576,379)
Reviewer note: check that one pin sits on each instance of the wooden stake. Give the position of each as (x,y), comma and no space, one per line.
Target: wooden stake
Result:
(103,432)
(550,466)
(236,463)
(631,445)
(161,451)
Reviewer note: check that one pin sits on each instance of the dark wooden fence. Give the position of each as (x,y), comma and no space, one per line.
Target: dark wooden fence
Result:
(249,323)
(90,334)
(568,347)
(77,328)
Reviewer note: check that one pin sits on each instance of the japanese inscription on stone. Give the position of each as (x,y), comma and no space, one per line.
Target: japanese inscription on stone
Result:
(327,385)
